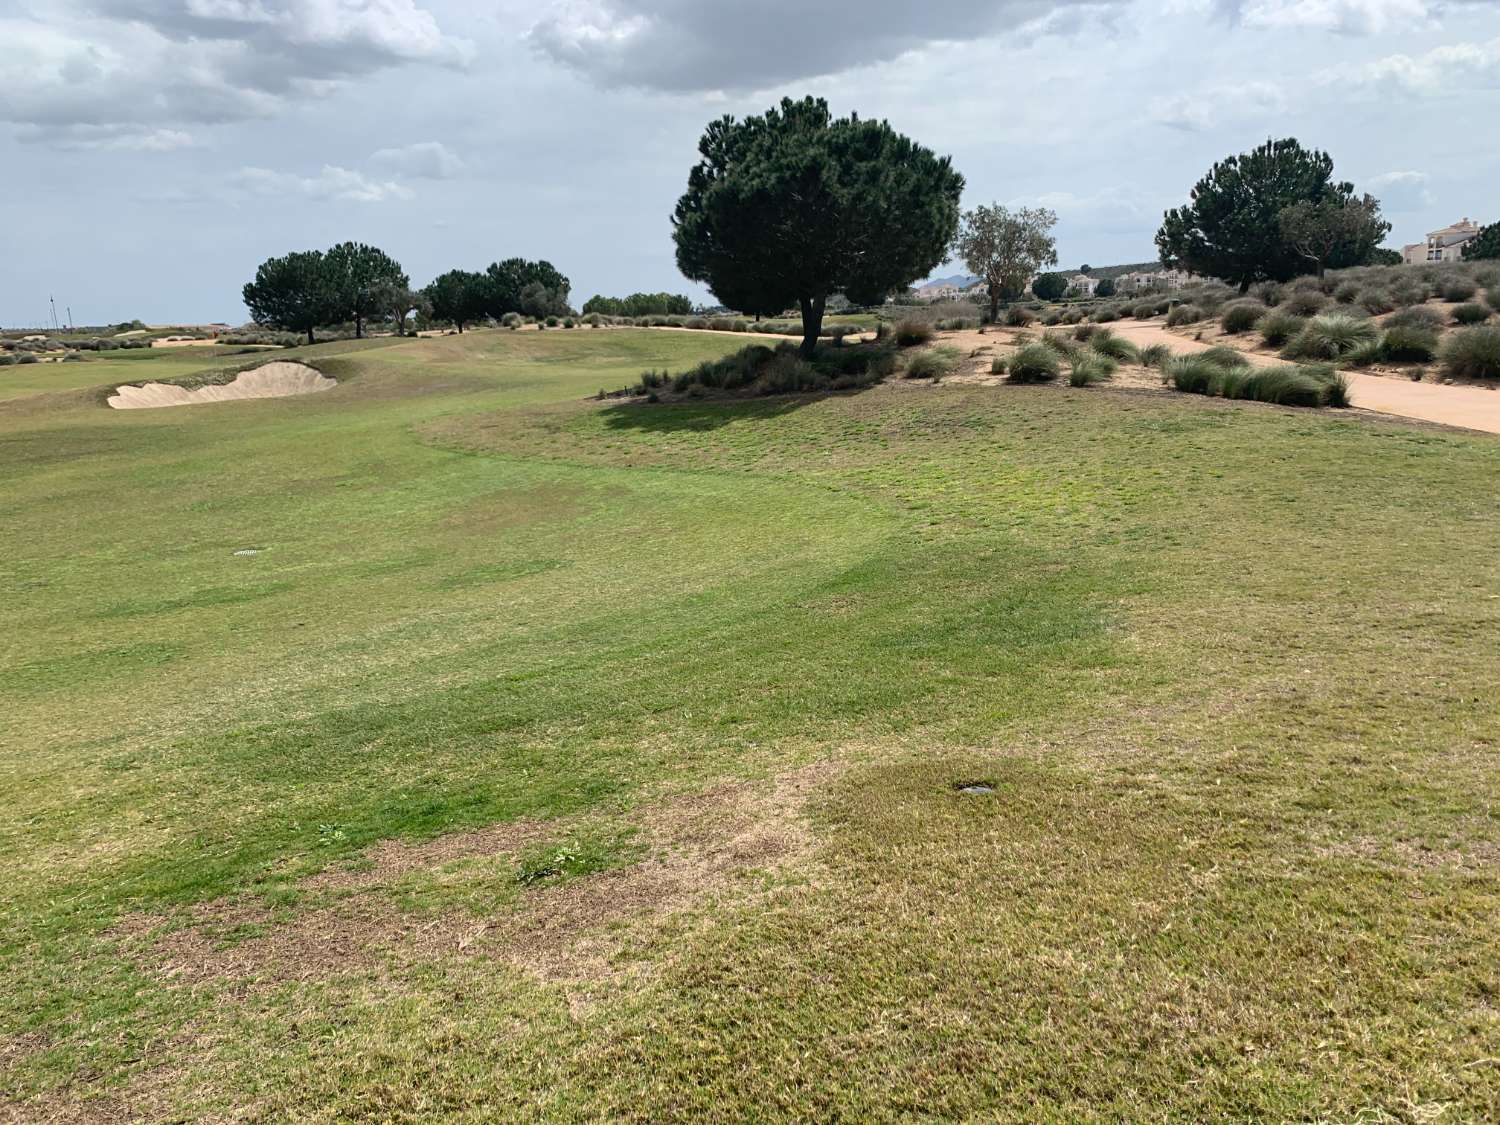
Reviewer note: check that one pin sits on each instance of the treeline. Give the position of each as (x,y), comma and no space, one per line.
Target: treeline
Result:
(640,304)
(352,282)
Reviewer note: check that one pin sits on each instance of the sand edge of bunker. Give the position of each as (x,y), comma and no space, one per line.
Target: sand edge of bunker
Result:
(277,379)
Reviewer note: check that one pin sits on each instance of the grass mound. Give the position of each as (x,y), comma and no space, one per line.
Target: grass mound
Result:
(1473,353)
(934,364)
(1409,343)
(760,370)
(1290,385)
(1329,337)
(1241,316)
(1035,363)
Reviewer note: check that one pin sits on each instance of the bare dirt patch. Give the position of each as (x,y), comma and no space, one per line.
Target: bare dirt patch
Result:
(697,845)
(278,379)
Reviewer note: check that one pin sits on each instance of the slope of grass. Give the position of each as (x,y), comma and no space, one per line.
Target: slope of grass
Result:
(1228,675)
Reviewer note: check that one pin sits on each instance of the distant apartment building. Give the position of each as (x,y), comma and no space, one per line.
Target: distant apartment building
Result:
(1144,281)
(1082,285)
(1444,245)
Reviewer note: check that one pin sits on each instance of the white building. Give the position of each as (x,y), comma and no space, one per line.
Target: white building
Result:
(1082,285)
(1445,245)
(1144,281)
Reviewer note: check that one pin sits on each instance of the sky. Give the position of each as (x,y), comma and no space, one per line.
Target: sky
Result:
(153,152)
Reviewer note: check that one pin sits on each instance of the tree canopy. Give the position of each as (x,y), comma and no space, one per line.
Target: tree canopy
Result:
(510,279)
(291,293)
(363,281)
(1006,248)
(1049,286)
(458,297)
(790,207)
(1232,228)
(1334,231)
(640,304)
(1487,245)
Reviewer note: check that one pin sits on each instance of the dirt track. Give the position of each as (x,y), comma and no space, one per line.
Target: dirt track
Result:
(1468,407)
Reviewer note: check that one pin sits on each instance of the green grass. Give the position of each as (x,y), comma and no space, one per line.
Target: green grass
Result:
(1229,670)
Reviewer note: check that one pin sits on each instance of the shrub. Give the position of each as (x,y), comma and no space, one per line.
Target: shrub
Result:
(911,333)
(568,322)
(1183,314)
(1089,367)
(1458,289)
(552,322)
(1366,354)
(1241,316)
(1492,295)
(1107,314)
(1346,293)
(1192,374)
(1418,317)
(997,365)
(1155,355)
(1409,343)
(1225,356)
(1084,331)
(1017,317)
(1404,294)
(27,357)
(1269,293)
(1277,327)
(1304,302)
(1052,317)
(695,322)
(1059,343)
(1329,337)
(1115,347)
(1143,311)
(7,360)
(1471,313)
(934,363)
(1293,386)
(1035,363)
(1473,353)
(1375,301)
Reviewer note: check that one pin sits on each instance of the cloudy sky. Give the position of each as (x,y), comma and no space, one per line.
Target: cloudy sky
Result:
(152,152)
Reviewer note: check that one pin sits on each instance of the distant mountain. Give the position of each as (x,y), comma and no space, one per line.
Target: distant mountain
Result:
(958,281)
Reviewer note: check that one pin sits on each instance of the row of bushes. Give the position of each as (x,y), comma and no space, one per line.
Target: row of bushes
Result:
(761,370)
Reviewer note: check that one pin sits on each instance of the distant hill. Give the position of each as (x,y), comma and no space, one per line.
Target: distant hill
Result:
(1102,272)
(958,281)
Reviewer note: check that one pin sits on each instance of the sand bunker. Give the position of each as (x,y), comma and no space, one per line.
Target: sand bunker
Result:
(273,380)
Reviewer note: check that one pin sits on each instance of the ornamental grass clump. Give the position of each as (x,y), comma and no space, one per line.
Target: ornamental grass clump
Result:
(1471,312)
(1473,353)
(934,363)
(1090,367)
(1241,316)
(1183,314)
(1409,343)
(1035,363)
(1114,347)
(1278,326)
(1329,337)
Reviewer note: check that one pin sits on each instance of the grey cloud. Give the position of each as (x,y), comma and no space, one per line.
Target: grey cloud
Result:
(425,160)
(683,46)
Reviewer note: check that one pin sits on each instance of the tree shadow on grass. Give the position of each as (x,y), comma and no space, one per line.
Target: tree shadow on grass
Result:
(701,417)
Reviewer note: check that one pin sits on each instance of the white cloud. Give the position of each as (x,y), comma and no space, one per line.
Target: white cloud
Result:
(1208,108)
(702,46)
(1401,191)
(108,138)
(425,160)
(1457,68)
(161,65)
(1350,17)
(331,183)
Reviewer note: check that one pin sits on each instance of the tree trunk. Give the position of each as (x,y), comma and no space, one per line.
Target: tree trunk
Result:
(812,323)
(460,326)
(994,307)
(310,339)
(1244,286)
(359,327)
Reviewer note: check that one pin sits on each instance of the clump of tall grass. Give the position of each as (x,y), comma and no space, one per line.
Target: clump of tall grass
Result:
(1418,317)
(1035,363)
(1090,367)
(1329,337)
(1225,356)
(1018,317)
(1241,316)
(912,333)
(1409,343)
(1117,348)
(1184,314)
(1473,353)
(1304,302)
(934,363)
(1458,289)
(1059,343)
(1290,385)
(1154,355)
(1375,301)
(1471,312)
(1268,293)
(1279,326)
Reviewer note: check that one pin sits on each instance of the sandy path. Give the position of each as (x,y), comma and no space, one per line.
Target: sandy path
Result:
(1471,408)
